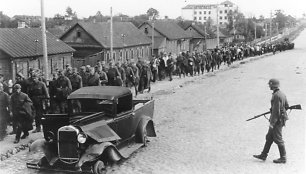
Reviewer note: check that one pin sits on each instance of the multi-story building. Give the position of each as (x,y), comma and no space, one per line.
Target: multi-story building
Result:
(209,12)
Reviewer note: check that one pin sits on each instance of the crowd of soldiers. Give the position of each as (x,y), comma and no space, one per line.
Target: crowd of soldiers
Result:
(32,97)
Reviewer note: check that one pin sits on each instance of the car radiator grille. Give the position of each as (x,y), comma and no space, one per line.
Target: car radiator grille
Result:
(68,144)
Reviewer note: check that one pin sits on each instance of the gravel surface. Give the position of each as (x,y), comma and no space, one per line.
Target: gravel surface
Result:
(201,127)
(201,123)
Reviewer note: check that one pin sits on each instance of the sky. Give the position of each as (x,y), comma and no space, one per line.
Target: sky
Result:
(170,8)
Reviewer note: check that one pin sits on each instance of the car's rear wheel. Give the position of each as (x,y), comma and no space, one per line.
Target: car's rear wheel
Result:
(144,136)
(99,167)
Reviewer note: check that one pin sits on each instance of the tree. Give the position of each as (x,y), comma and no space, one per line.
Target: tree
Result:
(59,19)
(70,15)
(280,19)
(152,12)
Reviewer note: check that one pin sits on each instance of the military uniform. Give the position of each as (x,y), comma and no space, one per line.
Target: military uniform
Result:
(277,120)
(113,74)
(63,89)
(4,113)
(76,81)
(93,80)
(21,106)
(38,93)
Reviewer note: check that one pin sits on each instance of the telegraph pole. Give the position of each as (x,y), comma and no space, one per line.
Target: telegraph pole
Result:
(111,34)
(44,42)
(271,26)
(218,38)
(153,34)
(255,32)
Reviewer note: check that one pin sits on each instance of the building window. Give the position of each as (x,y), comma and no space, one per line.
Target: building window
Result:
(78,34)
(220,11)
(225,5)
(220,23)
(225,17)
(209,12)
(200,18)
(114,56)
(205,18)
(225,11)
(126,54)
(220,18)
(146,30)
(204,12)
(195,18)
(200,12)
(195,12)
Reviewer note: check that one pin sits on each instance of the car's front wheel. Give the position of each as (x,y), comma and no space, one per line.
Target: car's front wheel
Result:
(99,167)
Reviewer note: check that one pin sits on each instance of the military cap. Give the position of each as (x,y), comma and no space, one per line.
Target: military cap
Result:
(17,86)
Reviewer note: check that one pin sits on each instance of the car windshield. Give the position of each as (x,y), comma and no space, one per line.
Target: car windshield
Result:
(90,106)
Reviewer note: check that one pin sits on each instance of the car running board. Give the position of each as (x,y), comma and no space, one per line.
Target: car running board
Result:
(128,150)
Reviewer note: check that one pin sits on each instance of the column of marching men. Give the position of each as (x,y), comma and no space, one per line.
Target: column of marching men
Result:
(29,98)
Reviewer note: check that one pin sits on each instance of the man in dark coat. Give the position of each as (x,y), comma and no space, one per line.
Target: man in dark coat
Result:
(170,66)
(4,112)
(179,65)
(113,75)
(145,78)
(277,120)
(21,105)
(93,78)
(75,79)
(63,89)
(38,92)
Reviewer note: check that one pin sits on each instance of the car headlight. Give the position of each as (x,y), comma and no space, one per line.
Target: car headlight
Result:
(49,136)
(82,138)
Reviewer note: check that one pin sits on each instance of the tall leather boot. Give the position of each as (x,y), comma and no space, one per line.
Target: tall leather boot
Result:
(265,151)
(282,153)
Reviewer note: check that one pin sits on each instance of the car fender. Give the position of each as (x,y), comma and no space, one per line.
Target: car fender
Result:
(94,152)
(146,122)
(41,145)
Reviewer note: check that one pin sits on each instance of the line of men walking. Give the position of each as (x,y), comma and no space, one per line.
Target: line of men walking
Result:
(31,97)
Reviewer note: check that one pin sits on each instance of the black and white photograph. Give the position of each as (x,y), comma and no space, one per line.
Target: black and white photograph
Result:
(152,87)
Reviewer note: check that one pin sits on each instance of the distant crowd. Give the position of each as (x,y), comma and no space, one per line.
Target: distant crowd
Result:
(29,98)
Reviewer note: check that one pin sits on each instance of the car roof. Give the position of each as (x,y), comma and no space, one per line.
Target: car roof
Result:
(100,92)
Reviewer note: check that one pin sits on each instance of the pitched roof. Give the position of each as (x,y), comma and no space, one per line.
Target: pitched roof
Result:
(169,29)
(197,32)
(27,42)
(200,6)
(125,34)
(227,2)
(158,42)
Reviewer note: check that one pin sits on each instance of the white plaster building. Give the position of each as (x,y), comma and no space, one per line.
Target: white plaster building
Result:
(203,12)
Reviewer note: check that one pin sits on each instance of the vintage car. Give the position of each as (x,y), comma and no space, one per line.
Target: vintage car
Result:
(103,125)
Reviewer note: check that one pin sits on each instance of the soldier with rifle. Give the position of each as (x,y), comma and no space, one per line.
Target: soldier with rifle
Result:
(278,118)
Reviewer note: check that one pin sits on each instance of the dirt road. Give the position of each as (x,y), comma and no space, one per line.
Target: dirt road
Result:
(202,128)
(201,124)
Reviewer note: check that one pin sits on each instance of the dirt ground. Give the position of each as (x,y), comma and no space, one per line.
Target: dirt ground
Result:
(201,123)
(201,127)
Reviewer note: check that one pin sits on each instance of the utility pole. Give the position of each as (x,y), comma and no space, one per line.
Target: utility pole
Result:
(271,26)
(153,34)
(111,34)
(255,32)
(218,39)
(44,42)
(266,30)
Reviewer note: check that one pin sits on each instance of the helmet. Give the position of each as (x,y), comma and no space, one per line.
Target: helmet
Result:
(274,83)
